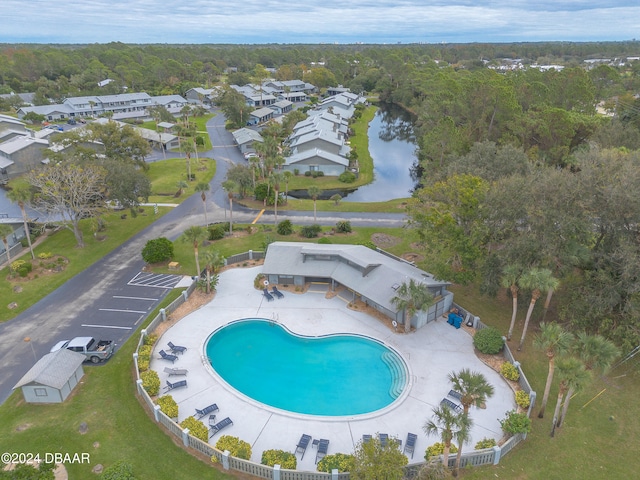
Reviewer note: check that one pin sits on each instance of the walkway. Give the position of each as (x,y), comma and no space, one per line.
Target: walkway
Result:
(431,353)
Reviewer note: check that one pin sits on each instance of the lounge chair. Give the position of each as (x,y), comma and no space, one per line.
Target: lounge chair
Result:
(323,446)
(267,295)
(277,292)
(167,356)
(176,348)
(212,420)
(176,371)
(366,438)
(171,386)
(384,439)
(410,444)
(206,410)
(302,445)
(213,429)
(454,394)
(453,406)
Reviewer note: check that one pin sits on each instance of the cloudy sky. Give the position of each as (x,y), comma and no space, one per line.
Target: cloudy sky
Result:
(316,21)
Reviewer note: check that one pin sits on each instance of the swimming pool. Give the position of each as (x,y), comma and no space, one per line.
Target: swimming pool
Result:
(333,375)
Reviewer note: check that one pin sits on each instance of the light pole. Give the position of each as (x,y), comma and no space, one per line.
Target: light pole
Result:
(28,340)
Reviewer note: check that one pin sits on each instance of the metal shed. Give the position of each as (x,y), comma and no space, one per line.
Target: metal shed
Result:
(53,377)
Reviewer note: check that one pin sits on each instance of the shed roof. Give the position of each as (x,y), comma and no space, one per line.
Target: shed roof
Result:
(53,370)
(246,135)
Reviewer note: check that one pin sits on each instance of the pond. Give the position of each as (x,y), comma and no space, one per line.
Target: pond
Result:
(392,146)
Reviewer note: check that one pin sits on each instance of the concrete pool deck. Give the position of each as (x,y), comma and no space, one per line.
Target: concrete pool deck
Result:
(431,353)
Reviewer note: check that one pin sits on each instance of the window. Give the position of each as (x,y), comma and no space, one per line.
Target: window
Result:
(41,392)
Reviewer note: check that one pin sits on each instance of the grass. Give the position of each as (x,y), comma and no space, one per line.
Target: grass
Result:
(63,243)
(396,205)
(119,429)
(166,174)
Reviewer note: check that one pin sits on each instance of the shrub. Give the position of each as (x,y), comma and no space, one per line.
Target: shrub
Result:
(150,339)
(150,382)
(279,457)
(509,371)
(143,364)
(258,282)
(17,264)
(522,399)
(145,351)
(347,177)
(324,241)
(158,250)
(296,171)
(45,255)
(369,244)
(319,173)
(168,406)
(485,443)
(216,232)
(488,341)
(285,228)
(238,448)
(336,198)
(438,449)
(341,461)
(310,231)
(261,190)
(307,173)
(343,226)
(196,428)
(515,422)
(118,471)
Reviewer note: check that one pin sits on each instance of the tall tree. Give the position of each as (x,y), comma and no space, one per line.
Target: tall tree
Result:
(462,436)
(510,278)
(275,179)
(445,423)
(213,262)
(21,195)
(472,386)
(573,376)
(553,340)
(314,193)
(229,186)
(203,188)
(412,297)
(537,280)
(372,461)
(69,192)
(195,235)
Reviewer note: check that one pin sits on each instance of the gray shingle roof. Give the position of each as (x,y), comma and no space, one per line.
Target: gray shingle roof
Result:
(53,370)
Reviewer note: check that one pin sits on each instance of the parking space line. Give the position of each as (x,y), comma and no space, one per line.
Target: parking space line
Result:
(106,326)
(136,298)
(118,310)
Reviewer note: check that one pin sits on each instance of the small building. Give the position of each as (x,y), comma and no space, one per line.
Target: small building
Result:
(259,116)
(52,378)
(281,107)
(245,139)
(372,277)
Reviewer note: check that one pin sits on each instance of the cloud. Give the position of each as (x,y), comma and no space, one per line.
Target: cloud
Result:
(305,21)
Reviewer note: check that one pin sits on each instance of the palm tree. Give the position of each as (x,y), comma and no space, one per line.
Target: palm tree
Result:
(203,187)
(573,376)
(187,149)
(412,297)
(213,261)
(181,186)
(314,192)
(21,195)
(596,353)
(552,340)
(445,423)
(229,186)
(510,278)
(472,386)
(195,235)
(537,280)
(5,231)
(462,436)
(287,176)
(275,178)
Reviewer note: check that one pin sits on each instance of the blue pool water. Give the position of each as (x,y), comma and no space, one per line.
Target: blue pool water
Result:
(332,375)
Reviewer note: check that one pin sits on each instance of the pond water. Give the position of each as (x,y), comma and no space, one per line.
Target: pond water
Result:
(392,146)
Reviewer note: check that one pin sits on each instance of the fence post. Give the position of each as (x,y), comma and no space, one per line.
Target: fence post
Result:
(185,295)
(139,384)
(276,472)
(185,437)
(251,258)
(532,401)
(225,459)
(476,321)
(163,314)
(497,453)
(334,474)
(135,361)
(156,409)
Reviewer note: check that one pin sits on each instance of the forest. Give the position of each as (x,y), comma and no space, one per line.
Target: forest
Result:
(520,171)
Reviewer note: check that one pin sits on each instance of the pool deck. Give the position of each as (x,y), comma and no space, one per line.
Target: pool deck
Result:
(431,353)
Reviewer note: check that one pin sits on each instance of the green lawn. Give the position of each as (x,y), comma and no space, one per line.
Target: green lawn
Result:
(396,205)
(165,175)
(119,428)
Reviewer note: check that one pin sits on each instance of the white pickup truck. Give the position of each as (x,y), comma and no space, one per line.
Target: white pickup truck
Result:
(95,350)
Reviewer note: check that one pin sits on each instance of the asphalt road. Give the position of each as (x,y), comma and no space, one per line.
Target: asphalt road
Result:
(100,301)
